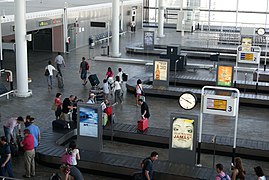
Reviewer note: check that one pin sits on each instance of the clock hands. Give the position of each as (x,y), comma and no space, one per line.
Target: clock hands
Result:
(186,100)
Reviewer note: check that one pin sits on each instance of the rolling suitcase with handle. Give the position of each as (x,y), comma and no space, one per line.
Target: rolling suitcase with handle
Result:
(94,80)
(142,124)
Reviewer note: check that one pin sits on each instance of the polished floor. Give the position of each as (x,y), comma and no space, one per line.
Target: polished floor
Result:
(253,121)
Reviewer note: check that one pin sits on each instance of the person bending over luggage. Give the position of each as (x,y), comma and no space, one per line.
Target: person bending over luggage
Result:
(71,171)
(10,125)
(5,153)
(144,109)
(67,106)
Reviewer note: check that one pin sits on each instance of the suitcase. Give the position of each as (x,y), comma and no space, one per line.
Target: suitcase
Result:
(94,80)
(142,124)
(60,124)
(60,81)
(124,77)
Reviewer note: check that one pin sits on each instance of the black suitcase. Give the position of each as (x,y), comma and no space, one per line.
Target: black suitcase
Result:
(94,80)
(60,124)
(124,77)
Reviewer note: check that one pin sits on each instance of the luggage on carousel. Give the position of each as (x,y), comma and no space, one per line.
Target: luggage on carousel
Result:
(60,124)
(94,80)
(142,124)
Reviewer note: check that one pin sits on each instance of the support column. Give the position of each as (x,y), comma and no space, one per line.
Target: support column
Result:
(1,46)
(115,28)
(160,19)
(21,50)
(65,26)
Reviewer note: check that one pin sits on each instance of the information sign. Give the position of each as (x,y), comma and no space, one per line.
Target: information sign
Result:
(219,105)
(148,40)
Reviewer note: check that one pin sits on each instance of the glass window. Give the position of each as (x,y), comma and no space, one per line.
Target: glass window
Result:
(250,5)
(251,19)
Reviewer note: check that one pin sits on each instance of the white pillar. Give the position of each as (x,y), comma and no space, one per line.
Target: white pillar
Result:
(1,47)
(160,19)
(115,28)
(21,50)
(121,15)
(65,25)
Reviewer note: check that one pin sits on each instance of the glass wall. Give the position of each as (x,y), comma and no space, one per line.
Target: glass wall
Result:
(222,13)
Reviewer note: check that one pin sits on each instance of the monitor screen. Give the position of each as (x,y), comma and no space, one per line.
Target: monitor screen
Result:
(88,118)
(217,104)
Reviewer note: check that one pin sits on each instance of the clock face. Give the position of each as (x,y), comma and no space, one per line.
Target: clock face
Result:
(187,100)
(261,31)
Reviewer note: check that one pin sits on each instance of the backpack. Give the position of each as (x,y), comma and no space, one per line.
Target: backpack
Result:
(67,157)
(144,161)
(224,177)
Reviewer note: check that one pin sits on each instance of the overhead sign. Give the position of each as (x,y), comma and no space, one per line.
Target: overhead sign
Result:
(219,105)
(98,24)
(250,57)
(44,23)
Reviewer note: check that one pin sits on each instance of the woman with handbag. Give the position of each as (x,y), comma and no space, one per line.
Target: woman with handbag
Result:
(138,91)
(57,105)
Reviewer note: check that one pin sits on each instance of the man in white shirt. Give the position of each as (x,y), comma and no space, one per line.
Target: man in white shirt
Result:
(50,68)
(59,61)
(10,125)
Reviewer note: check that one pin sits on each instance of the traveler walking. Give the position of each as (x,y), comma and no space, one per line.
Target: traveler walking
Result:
(238,171)
(147,164)
(59,61)
(83,70)
(144,109)
(221,174)
(5,153)
(50,69)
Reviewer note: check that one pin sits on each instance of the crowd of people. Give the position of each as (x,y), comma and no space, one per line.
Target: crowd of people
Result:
(30,140)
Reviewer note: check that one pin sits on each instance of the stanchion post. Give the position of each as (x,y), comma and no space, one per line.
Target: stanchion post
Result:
(199,153)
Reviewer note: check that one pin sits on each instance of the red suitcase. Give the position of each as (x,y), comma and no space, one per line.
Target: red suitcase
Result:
(142,124)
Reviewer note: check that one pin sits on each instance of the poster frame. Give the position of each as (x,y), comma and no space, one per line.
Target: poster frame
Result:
(218,75)
(161,82)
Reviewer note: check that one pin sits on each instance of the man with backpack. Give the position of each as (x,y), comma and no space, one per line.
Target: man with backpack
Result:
(221,175)
(147,164)
(83,70)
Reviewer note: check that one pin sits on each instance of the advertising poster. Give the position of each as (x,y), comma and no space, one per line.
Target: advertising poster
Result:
(182,135)
(149,40)
(246,43)
(225,76)
(160,70)
(88,122)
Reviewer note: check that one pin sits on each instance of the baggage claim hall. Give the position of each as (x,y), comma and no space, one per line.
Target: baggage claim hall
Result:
(199,66)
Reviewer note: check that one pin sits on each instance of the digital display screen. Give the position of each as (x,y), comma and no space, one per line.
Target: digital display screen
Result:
(246,56)
(217,104)
(88,119)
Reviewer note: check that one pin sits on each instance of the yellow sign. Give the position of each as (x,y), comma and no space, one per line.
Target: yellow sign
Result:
(217,104)
(225,75)
(160,70)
